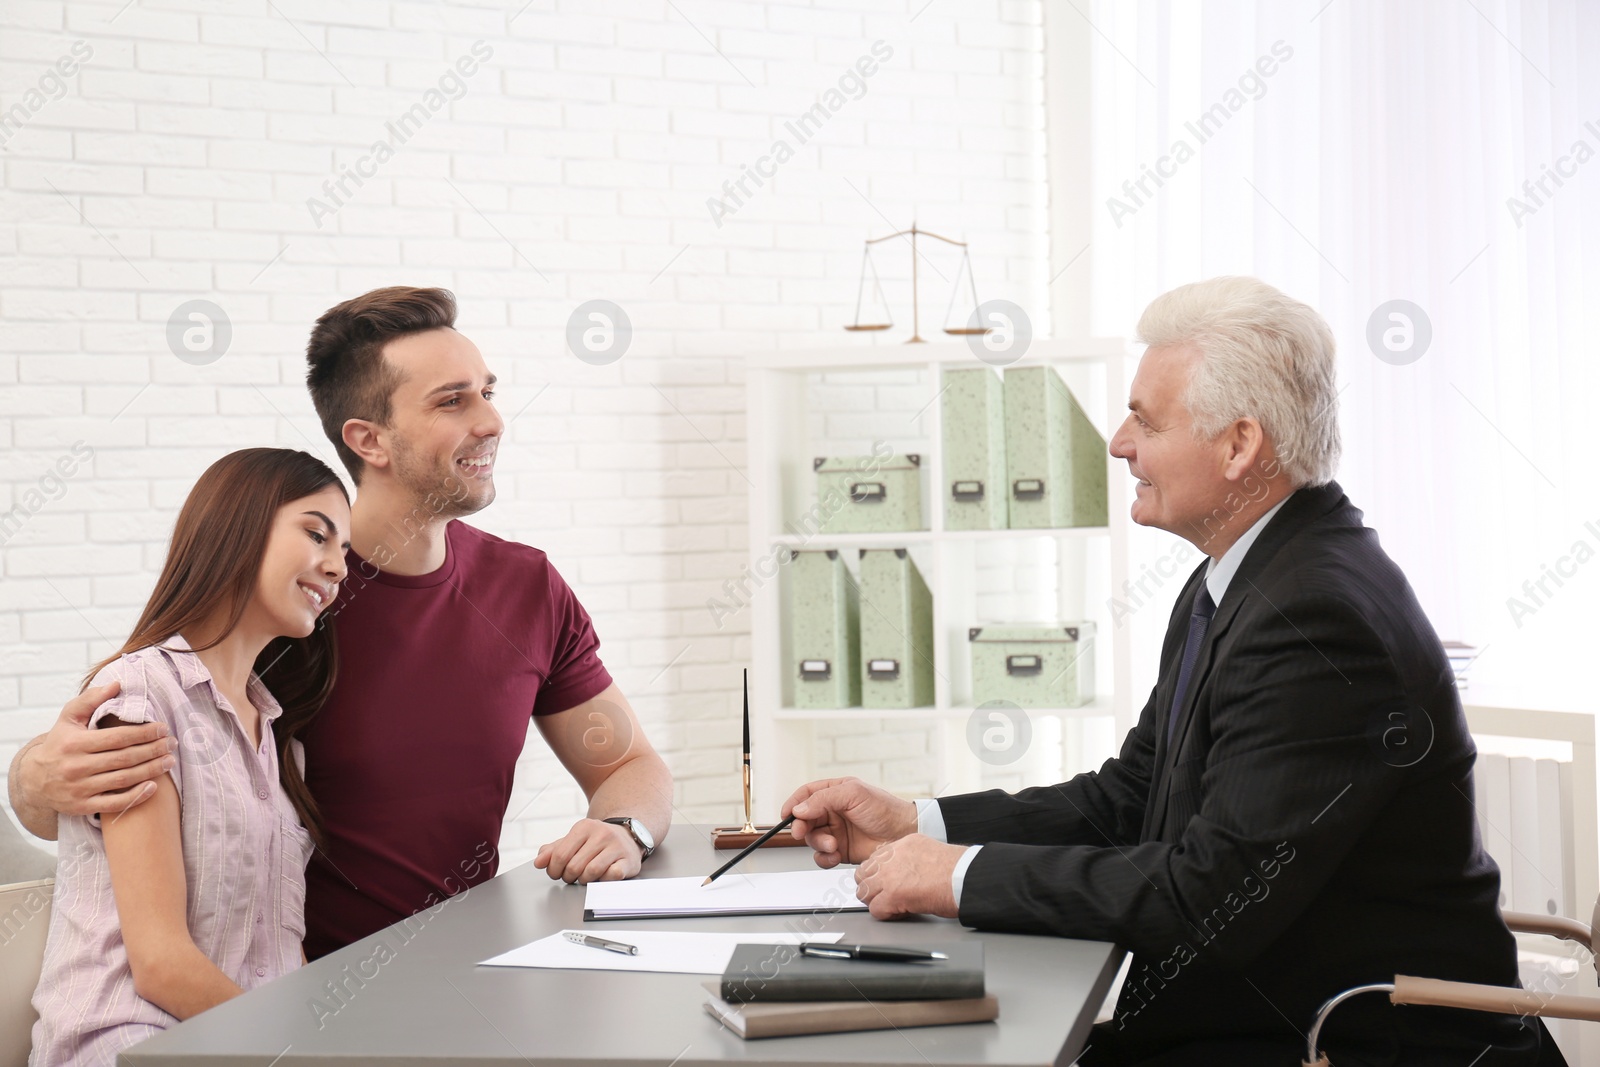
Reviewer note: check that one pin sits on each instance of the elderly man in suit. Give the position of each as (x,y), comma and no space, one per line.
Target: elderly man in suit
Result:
(1292,815)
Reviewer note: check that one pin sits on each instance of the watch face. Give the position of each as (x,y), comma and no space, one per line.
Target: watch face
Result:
(640,832)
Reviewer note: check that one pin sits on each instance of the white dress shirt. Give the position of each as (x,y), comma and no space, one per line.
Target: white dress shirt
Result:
(1219,574)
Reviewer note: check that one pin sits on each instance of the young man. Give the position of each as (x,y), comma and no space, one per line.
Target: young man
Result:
(449,639)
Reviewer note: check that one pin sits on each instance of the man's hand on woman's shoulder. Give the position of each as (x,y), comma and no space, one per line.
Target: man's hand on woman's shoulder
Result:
(73,770)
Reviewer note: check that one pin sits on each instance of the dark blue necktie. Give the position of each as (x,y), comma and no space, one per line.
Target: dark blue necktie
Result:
(1198,622)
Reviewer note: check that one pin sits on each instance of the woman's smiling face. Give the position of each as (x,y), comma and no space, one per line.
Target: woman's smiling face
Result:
(303,563)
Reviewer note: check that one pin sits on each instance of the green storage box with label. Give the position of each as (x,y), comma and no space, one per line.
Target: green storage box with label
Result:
(896,631)
(1055,458)
(1033,665)
(824,632)
(974,487)
(869,494)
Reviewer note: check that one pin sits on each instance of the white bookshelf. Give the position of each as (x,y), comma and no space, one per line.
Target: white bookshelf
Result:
(1089,563)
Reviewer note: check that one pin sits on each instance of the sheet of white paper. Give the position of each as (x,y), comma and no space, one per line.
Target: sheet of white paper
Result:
(672,952)
(781,893)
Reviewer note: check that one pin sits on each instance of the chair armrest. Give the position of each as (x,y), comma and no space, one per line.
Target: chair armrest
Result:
(1525,922)
(1500,999)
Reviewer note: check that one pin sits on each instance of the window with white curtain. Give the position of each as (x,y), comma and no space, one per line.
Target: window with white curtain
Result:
(1443,153)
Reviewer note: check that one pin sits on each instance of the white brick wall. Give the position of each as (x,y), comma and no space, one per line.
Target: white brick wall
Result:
(176,163)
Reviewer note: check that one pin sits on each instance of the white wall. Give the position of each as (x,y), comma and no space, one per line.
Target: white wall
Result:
(574,163)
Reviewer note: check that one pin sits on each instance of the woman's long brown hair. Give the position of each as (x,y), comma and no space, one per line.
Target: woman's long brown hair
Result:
(217,546)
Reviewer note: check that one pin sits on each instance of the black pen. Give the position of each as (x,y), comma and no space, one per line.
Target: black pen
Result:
(882,953)
(591,941)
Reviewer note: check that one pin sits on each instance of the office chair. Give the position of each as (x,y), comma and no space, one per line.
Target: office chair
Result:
(1473,997)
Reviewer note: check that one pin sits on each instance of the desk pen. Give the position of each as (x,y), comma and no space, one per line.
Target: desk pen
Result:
(579,938)
(883,953)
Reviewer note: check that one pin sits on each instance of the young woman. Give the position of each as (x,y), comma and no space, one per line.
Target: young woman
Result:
(198,893)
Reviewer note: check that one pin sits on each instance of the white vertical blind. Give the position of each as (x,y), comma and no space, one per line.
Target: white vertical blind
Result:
(1379,152)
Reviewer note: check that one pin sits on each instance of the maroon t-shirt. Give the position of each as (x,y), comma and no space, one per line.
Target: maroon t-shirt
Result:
(411,760)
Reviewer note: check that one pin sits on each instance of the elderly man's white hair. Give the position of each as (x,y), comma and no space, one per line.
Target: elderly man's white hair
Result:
(1264,356)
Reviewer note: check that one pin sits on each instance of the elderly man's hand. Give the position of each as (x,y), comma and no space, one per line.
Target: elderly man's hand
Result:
(845,820)
(909,876)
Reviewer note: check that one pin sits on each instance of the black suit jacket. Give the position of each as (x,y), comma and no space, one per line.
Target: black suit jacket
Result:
(1310,829)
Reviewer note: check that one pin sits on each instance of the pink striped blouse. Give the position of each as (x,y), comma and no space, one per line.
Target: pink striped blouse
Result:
(244,857)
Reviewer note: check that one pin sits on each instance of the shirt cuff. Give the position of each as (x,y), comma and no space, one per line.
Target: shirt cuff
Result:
(930,823)
(930,820)
(959,875)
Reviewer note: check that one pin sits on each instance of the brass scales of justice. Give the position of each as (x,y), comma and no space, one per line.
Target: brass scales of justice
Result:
(869,267)
(726,837)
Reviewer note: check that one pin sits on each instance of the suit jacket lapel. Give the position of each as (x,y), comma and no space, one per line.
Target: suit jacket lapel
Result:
(1202,670)
(1220,621)
(1166,682)
(1302,508)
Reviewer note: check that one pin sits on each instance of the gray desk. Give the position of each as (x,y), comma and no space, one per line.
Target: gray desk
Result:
(416,997)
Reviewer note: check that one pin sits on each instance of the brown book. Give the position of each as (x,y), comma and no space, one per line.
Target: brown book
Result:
(783,1019)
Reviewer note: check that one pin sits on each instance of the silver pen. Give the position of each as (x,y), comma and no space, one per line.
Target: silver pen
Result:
(579,938)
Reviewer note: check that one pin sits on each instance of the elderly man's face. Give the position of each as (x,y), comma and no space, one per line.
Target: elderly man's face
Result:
(1180,477)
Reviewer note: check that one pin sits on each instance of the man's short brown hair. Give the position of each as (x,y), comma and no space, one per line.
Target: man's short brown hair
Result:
(347,374)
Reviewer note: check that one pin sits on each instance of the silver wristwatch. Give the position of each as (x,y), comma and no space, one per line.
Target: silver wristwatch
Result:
(639,831)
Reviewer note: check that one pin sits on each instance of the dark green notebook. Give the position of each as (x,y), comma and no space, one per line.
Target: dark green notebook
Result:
(779,972)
